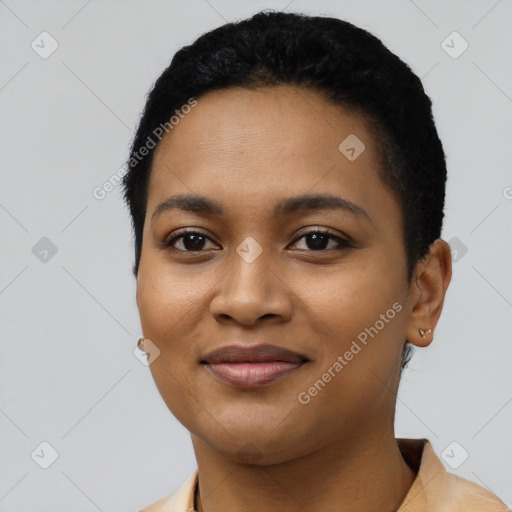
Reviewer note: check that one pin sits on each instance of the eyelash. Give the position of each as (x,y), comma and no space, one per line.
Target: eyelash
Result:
(342,243)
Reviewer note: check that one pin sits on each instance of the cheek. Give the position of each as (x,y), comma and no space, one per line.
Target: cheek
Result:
(163,298)
(360,302)
(153,298)
(166,312)
(349,294)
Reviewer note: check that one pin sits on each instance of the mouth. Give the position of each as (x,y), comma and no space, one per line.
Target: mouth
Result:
(260,365)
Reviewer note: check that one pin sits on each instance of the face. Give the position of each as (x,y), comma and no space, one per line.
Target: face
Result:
(295,244)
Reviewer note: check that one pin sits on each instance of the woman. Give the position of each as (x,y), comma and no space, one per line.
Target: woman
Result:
(286,186)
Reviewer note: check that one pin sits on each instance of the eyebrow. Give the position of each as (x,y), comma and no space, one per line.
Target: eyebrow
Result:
(308,202)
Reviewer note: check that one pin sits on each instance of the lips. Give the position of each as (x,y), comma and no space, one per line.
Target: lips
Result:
(259,365)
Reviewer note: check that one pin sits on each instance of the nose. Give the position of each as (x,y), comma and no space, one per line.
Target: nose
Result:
(252,292)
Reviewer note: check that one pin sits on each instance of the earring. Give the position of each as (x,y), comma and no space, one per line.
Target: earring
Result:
(423,332)
(140,342)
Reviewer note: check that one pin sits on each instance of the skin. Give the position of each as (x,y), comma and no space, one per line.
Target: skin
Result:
(248,150)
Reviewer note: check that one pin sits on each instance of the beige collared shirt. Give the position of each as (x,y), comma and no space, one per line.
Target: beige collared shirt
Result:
(433,490)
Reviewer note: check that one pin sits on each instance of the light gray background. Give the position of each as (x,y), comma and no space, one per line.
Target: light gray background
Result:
(69,325)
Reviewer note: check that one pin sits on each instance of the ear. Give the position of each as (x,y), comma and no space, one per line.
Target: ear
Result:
(430,281)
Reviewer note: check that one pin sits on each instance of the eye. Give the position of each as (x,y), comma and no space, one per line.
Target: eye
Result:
(318,240)
(195,241)
(189,241)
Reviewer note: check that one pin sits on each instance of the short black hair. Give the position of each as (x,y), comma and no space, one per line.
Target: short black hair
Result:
(345,63)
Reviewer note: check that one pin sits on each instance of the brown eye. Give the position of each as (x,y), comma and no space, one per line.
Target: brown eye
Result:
(318,240)
(188,241)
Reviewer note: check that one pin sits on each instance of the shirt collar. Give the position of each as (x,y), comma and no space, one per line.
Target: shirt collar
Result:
(434,489)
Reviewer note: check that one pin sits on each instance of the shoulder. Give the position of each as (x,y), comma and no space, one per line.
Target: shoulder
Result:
(180,501)
(467,496)
(163,505)
(437,490)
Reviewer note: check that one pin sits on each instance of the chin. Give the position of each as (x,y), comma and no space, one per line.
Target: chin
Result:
(259,443)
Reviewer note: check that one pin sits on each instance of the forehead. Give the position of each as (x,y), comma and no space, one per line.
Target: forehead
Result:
(274,120)
(260,145)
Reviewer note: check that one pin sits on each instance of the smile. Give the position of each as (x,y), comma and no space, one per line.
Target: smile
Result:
(243,365)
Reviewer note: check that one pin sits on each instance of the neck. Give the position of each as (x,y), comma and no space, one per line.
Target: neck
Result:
(364,474)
